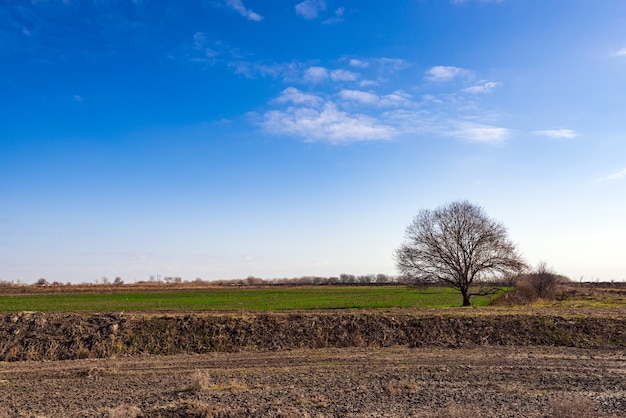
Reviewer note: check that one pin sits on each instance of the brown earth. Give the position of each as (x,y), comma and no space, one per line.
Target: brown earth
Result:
(509,381)
(490,362)
(67,336)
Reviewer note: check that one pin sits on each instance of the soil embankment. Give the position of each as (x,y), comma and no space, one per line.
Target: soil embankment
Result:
(66,336)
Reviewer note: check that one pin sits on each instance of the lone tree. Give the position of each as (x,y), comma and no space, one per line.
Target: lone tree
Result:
(457,245)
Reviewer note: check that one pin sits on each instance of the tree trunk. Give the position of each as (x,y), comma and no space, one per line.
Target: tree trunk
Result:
(466,298)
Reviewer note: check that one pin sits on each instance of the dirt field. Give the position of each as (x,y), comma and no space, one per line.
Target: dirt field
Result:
(349,382)
(534,361)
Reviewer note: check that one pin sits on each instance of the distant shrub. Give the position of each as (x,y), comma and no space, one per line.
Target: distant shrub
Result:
(41,282)
(541,283)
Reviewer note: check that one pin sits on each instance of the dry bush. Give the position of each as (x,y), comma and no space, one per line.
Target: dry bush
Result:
(541,283)
(572,407)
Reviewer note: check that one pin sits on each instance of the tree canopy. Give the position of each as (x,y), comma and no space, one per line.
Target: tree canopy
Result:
(457,245)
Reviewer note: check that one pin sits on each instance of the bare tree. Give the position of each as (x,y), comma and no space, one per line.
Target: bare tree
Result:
(458,246)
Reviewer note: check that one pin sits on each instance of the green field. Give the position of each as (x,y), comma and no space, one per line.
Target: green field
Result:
(237,299)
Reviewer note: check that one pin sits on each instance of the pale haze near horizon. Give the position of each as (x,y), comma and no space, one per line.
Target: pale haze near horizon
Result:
(298,138)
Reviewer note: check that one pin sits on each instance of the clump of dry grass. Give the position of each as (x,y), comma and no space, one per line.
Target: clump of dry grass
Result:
(202,380)
(400,387)
(454,410)
(124,411)
(572,407)
(188,409)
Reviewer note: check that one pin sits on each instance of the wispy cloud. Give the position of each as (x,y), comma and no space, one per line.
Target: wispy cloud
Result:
(343,75)
(621,52)
(483,88)
(205,50)
(398,98)
(309,9)
(476,132)
(618,175)
(364,116)
(352,103)
(338,18)
(359,63)
(395,99)
(294,72)
(442,73)
(557,133)
(238,6)
(285,71)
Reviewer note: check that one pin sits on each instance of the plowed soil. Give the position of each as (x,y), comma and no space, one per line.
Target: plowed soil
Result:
(329,382)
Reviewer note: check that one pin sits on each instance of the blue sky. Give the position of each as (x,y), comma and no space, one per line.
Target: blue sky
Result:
(226,138)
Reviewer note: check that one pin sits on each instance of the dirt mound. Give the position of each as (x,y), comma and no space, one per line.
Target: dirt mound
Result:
(64,336)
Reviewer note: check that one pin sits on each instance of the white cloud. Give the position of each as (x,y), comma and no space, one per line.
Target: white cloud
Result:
(359,96)
(339,111)
(423,122)
(343,75)
(475,132)
(359,63)
(369,83)
(309,9)
(326,124)
(316,75)
(396,99)
(315,118)
(621,53)
(619,175)
(78,98)
(239,7)
(441,73)
(430,98)
(557,133)
(487,87)
(294,96)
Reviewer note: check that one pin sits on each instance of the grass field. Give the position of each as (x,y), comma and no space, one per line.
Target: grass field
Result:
(246,299)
